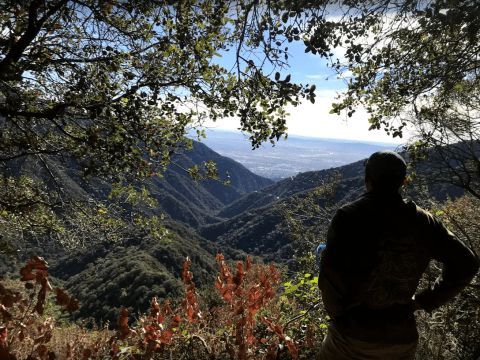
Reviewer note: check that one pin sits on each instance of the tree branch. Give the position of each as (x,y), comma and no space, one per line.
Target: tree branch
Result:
(50,152)
(50,114)
(34,27)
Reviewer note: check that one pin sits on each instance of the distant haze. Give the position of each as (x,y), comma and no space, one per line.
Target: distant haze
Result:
(290,157)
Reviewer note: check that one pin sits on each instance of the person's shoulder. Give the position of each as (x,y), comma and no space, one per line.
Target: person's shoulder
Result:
(421,212)
(362,204)
(414,208)
(368,205)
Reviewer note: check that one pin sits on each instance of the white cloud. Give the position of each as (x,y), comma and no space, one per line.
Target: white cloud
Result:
(346,74)
(328,94)
(314,120)
(315,76)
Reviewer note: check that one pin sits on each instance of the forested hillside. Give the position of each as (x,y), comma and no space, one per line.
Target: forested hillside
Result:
(307,180)
(84,270)
(201,227)
(96,100)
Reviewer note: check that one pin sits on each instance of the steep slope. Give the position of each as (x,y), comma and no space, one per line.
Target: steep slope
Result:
(178,197)
(306,180)
(256,232)
(130,276)
(255,229)
(242,180)
(109,277)
(272,193)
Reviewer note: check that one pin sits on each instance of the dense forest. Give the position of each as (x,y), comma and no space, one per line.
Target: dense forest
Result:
(98,179)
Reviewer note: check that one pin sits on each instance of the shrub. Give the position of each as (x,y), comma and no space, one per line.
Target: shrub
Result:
(229,329)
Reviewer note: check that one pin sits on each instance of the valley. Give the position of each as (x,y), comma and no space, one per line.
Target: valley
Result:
(203,221)
(288,158)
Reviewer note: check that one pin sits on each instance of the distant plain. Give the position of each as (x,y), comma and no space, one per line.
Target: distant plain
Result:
(288,158)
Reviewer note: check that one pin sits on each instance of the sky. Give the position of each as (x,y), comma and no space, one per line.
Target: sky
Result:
(314,120)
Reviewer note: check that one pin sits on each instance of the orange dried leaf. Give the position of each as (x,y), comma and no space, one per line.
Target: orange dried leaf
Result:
(3,335)
(166,308)
(225,293)
(72,305)
(26,273)
(62,298)
(69,350)
(292,348)
(248,262)
(175,321)
(38,263)
(40,275)
(42,351)
(279,331)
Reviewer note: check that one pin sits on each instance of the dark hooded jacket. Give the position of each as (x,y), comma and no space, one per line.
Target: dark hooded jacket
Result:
(377,249)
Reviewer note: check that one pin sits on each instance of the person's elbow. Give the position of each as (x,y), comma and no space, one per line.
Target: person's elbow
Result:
(472,267)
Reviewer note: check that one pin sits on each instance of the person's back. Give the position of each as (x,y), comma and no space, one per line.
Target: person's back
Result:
(377,250)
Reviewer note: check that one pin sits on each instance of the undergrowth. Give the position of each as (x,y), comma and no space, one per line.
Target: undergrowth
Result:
(247,315)
(246,324)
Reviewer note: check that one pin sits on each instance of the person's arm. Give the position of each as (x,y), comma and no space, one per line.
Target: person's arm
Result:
(338,261)
(335,258)
(460,266)
(415,304)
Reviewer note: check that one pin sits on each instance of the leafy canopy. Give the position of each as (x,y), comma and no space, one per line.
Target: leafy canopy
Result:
(417,63)
(109,88)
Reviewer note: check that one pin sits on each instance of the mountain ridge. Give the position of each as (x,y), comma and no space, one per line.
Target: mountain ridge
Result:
(203,222)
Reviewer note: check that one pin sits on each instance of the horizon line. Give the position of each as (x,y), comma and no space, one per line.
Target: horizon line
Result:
(381,143)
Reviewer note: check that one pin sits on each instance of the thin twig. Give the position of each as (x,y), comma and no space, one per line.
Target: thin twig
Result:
(202,340)
(301,315)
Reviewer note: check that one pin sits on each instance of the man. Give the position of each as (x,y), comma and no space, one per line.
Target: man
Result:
(377,250)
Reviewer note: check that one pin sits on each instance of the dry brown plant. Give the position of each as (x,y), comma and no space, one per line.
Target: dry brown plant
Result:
(452,331)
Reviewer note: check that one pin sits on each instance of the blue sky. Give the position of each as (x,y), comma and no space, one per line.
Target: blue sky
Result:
(314,120)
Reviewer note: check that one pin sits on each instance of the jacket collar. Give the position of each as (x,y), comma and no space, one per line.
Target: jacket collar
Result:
(382,195)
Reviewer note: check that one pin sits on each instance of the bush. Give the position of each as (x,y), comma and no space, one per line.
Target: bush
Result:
(228,328)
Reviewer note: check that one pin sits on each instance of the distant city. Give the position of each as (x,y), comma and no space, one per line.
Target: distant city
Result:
(290,157)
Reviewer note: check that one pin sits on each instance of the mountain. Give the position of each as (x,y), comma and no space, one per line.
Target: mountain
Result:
(242,180)
(181,200)
(306,180)
(252,222)
(107,276)
(234,220)
(288,158)
(130,275)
